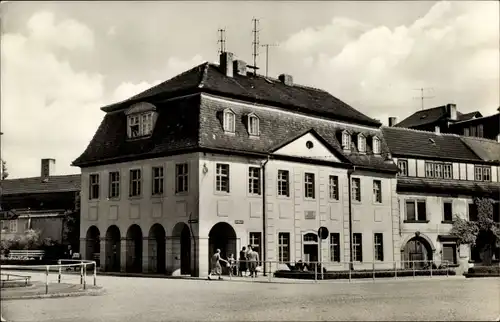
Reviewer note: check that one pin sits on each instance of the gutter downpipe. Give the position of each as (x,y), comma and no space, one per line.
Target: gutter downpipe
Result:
(349,173)
(264,239)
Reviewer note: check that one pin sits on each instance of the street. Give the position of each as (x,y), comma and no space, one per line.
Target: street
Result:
(148,299)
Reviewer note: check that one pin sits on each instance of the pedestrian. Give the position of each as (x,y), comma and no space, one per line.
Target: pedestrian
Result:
(232,265)
(243,262)
(69,255)
(253,259)
(216,265)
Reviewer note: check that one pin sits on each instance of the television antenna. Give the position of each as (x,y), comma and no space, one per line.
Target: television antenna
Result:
(422,96)
(255,45)
(267,55)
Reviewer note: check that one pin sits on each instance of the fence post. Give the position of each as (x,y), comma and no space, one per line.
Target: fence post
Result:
(431,269)
(395,269)
(84,276)
(81,273)
(315,272)
(95,273)
(413,267)
(47,279)
(270,270)
(373,270)
(447,269)
(59,275)
(350,272)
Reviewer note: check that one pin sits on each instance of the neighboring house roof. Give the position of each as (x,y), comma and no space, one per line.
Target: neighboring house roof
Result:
(405,142)
(63,183)
(487,150)
(432,115)
(208,78)
(448,186)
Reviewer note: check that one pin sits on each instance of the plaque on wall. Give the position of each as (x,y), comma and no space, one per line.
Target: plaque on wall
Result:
(239,222)
(310,214)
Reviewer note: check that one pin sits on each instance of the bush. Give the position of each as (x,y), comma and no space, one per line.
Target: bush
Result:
(361,274)
(480,271)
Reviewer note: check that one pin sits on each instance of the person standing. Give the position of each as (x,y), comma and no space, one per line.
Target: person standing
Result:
(243,262)
(253,259)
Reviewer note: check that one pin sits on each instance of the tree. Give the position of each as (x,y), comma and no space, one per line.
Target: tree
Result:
(5,174)
(483,233)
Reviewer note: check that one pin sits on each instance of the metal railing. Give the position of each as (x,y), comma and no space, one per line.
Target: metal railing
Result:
(316,271)
(9,278)
(66,264)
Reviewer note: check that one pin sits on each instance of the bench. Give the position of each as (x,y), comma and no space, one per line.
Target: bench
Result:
(26,254)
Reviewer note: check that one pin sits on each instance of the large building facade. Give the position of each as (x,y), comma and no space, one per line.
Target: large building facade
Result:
(218,157)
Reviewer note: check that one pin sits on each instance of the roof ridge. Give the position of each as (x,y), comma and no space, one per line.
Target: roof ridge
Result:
(39,177)
(204,75)
(421,131)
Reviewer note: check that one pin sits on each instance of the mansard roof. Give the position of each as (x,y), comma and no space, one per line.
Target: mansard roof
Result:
(405,142)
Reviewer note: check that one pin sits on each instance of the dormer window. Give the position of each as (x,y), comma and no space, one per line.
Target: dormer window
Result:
(361,143)
(253,125)
(346,140)
(376,145)
(229,121)
(141,118)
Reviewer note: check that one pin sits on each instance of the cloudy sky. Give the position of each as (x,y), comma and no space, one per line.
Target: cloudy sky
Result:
(62,61)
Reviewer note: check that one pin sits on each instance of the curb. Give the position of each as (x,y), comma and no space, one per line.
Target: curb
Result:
(99,291)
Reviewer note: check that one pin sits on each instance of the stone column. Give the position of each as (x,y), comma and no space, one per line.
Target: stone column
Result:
(102,253)
(123,254)
(169,267)
(203,256)
(83,248)
(146,254)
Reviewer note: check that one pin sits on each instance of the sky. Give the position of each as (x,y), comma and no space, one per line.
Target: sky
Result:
(62,61)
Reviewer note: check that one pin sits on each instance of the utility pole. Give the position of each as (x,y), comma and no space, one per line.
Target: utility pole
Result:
(255,45)
(267,55)
(221,42)
(422,97)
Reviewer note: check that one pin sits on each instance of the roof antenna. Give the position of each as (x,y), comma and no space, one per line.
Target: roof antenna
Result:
(422,97)
(267,55)
(255,45)
(221,42)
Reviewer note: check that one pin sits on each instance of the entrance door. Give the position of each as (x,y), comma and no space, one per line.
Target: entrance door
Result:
(185,251)
(311,253)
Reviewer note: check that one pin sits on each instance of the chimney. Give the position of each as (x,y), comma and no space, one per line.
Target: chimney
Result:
(286,79)
(393,121)
(437,129)
(226,63)
(451,109)
(48,167)
(240,67)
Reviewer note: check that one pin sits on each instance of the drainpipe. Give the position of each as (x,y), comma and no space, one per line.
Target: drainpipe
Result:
(264,257)
(349,173)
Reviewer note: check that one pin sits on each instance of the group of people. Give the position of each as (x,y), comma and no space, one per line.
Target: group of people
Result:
(248,261)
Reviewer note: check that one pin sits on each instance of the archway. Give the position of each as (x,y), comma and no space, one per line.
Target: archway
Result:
(156,249)
(310,247)
(222,236)
(92,244)
(112,249)
(417,253)
(182,246)
(134,249)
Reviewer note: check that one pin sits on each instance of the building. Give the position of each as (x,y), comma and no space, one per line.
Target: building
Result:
(440,174)
(218,157)
(487,127)
(41,203)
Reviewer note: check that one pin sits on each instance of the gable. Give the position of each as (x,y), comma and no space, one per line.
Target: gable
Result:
(302,148)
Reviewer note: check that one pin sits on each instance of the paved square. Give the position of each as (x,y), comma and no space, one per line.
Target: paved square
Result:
(151,299)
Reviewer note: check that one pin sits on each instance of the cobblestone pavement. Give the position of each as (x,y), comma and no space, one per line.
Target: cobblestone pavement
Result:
(152,299)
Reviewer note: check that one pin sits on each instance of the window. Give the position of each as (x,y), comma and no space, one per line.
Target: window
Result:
(472,131)
(335,247)
(377,191)
(140,124)
(438,170)
(13,226)
(94,186)
(222,177)
(283,183)
(346,140)
(403,168)
(333,188)
(416,211)
(229,121)
(255,240)
(157,188)
(253,125)
(450,253)
(447,211)
(357,247)
(466,131)
(472,212)
(114,184)
(447,171)
(482,173)
(378,242)
(429,170)
(181,175)
(135,183)
(283,247)
(356,189)
(361,143)
(376,145)
(309,185)
(480,131)
(311,238)
(254,180)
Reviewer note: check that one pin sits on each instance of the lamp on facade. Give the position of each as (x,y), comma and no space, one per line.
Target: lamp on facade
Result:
(205,168)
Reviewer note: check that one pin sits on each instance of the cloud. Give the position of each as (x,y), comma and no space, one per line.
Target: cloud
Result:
(453,48)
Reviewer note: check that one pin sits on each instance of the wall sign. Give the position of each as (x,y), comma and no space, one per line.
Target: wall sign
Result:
(239,222)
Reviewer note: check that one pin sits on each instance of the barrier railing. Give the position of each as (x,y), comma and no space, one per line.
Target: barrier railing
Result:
(9,278)
(312,270)
(61,268)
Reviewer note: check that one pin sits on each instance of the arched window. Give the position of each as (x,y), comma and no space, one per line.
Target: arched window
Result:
(376,145)
(228,121)
(346,140)
(361,143)
(253,124)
